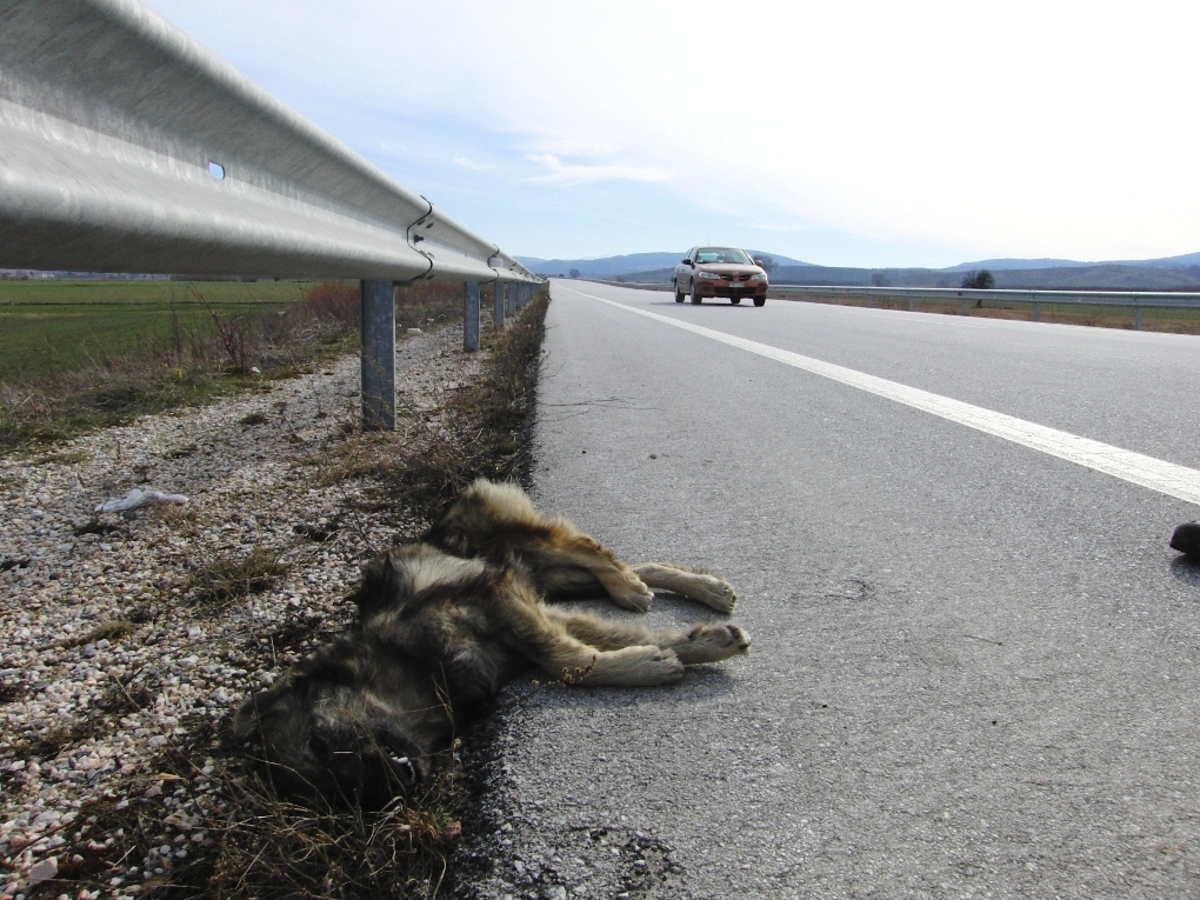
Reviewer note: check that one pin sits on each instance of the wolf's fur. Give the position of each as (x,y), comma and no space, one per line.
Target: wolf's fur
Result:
(444,622)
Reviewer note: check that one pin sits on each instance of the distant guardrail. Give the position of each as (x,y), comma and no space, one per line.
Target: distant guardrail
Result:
(125,146)
(1136,300)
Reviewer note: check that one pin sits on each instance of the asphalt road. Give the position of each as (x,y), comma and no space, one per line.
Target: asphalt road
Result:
(974,666)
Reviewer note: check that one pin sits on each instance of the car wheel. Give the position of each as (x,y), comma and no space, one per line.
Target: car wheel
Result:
(760,301)
(735,300)
(695,298)
(678,293)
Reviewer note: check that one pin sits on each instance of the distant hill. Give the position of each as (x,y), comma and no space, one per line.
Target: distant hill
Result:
(996,265)
(1175,273)
(999,265)
(612,266)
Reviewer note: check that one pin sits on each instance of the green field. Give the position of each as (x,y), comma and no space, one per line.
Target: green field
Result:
(81,355)
(51,327)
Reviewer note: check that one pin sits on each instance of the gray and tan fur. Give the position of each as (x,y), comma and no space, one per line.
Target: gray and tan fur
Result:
(444,622)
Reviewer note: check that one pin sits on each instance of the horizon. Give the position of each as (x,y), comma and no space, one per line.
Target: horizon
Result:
(1058,262)
(864,134)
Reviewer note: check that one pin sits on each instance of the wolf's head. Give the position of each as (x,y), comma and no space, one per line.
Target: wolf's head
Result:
(319,739)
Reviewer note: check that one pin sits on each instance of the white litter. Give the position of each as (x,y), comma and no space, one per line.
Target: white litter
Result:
(137,497)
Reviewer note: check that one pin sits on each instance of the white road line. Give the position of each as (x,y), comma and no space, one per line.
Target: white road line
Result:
(1146,471)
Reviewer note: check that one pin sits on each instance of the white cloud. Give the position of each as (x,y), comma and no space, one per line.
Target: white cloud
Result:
(560,173)
(464,162)
(1048,128)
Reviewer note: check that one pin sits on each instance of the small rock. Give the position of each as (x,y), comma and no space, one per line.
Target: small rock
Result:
(43,871)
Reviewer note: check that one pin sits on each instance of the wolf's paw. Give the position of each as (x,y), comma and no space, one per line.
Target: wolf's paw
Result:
(635,666)
(659,666)
(636,597)
(711,643)
(716,593)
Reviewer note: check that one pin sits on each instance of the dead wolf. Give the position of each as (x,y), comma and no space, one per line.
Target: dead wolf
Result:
(442,623)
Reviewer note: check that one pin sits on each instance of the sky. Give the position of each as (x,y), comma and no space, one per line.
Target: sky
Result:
(853,133)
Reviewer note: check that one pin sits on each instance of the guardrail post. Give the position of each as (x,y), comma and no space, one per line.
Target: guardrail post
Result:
(378,328)
(966,306)
(1137,317)
(498,305)
(471,315)
(1037,312)
(912,304)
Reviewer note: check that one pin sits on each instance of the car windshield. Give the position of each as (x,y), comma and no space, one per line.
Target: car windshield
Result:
(723,255)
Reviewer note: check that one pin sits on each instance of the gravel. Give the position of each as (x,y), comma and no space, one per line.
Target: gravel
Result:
(107,663)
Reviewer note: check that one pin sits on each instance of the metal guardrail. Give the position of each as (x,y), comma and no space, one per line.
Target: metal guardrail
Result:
(1136,300)
(125,146)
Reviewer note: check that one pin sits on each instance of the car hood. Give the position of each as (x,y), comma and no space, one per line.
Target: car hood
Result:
(729,268)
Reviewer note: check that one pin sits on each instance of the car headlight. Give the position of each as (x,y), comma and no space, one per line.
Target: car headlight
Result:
(708,276)
(758,276)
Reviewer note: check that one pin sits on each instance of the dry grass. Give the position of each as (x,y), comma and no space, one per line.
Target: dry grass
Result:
(225,580)
(1165,320)
(481,433)
(273,848)
(105,631)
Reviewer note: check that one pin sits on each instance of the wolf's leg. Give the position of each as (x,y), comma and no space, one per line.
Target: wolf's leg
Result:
(570,559)
(526,625)
(494,519)
(699,644)
(699,586)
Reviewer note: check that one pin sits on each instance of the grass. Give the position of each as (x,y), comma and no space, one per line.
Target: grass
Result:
(1175,321)
(80,355)
(48,327)
(226,580)
(273,848)
(112,630)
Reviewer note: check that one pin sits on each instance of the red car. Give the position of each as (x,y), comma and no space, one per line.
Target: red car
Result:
(720,272)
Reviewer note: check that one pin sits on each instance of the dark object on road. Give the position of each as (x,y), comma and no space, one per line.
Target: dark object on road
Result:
(1186,539)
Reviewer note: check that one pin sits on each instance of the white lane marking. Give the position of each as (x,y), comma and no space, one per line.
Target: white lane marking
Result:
(1158,475)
